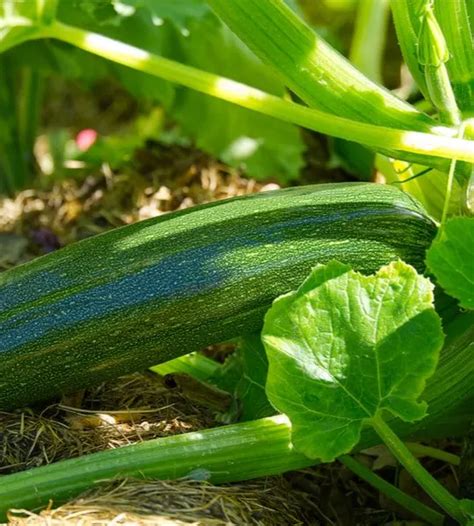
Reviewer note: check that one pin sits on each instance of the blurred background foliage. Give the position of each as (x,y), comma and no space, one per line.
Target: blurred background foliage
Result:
(51,91)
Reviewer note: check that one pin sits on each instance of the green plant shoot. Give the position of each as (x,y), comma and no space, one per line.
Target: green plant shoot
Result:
(433,54)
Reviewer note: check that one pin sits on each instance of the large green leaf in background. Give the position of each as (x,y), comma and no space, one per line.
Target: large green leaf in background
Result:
(187,31)
(345,347)
(263,145)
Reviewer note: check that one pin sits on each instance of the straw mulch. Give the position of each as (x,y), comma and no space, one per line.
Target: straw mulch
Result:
(178,502)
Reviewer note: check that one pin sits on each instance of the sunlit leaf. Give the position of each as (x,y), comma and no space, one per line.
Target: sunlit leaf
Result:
(345,347)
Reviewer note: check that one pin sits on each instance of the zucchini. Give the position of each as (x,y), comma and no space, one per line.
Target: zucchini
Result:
(149,292)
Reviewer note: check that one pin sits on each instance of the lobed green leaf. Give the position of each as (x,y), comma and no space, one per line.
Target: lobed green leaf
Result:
(344,347)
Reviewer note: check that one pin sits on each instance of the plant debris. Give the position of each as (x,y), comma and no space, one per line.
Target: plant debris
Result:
(160,179)
(261,502)
(124,411)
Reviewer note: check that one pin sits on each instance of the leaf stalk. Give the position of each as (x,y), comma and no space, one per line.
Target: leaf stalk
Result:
(432,487)
(433,54)
(392,492)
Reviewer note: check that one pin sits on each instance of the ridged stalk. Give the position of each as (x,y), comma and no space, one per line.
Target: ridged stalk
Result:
(433,54)
(392,492)
(311,68)
(432,487)
(457,27)
(229,453)
(407,26)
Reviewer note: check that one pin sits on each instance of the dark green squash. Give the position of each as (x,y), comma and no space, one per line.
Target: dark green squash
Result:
(145,293)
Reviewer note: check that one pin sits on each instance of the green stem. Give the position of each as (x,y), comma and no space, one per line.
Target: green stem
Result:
(254,99)
(15,167)
(194,364)
(426,451)
(441,94)
(449,190)
(433,53)
(458,29)
(449,183)
(432,487)
(415,506)
(29,109)
(368,41)
(468,205)
(229,453)
(407,22)
(456,26)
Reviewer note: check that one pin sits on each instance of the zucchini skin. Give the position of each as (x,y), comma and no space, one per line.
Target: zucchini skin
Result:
(146,293)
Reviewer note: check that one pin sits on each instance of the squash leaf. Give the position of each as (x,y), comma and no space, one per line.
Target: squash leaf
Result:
(451,259)
(250,390)
(344,347)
